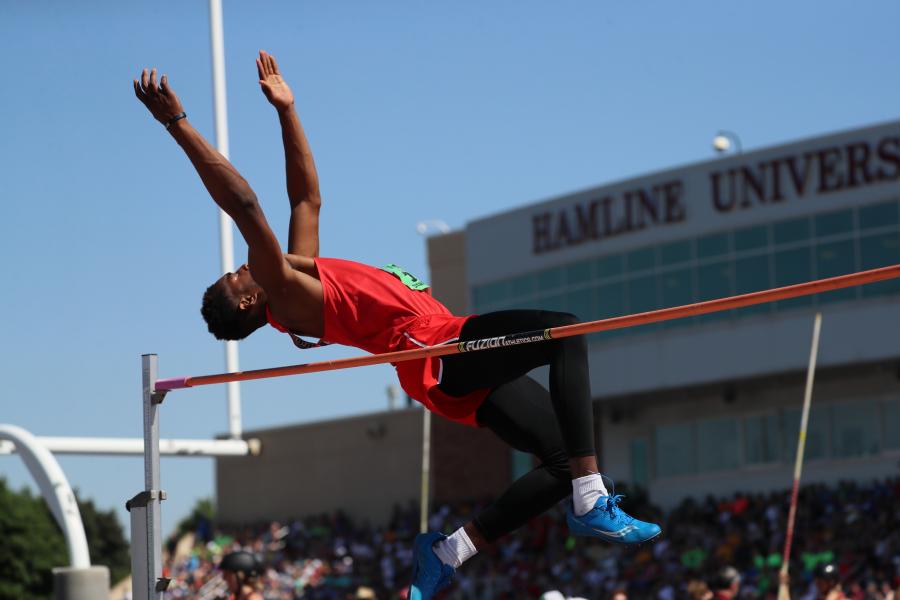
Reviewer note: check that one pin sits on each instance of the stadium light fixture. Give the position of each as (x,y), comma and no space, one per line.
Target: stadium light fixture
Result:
(726,141)
(433,224)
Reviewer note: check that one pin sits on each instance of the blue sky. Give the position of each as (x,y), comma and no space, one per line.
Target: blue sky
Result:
(415,110)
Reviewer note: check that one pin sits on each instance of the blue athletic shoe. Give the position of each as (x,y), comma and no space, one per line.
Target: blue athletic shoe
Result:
(609,522)
(430,575)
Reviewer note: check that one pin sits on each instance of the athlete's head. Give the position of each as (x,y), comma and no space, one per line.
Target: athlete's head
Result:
(827,577)
(240,569)
(234,306)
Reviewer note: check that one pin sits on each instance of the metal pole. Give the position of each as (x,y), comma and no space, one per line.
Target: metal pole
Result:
(226,231)
(783,589)
(426,470)
(146,525)
(151,451)
(134,446)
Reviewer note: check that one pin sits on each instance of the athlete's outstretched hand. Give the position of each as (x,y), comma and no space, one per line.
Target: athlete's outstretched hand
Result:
(160,100)
(273,86)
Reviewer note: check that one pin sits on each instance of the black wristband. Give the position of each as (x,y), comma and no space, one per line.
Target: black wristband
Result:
(175,119)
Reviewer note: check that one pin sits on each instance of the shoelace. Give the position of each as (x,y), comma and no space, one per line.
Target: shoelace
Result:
(612,506)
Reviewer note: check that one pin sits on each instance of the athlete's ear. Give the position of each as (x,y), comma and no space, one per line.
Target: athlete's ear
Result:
(248,300)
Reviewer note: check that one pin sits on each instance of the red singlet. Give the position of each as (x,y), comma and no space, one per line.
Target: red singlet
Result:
(375,311)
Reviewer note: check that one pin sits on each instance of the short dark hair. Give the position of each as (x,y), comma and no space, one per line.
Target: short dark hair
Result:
(223,317)
(242,562)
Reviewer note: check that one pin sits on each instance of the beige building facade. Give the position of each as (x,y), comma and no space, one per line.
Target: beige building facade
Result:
(711,404)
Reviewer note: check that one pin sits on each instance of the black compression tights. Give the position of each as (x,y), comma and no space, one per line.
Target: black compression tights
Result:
(553,426)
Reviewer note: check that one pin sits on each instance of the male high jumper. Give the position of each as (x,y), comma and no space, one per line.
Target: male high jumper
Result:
(385,310)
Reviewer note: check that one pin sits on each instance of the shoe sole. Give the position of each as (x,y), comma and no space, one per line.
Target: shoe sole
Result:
(650,540)
(600,536)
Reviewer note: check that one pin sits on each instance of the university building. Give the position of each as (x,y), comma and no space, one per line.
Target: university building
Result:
(711,404)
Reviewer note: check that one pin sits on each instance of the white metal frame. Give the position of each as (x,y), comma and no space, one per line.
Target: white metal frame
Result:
(54,488)
(147,581)
(226,231)
(135,446)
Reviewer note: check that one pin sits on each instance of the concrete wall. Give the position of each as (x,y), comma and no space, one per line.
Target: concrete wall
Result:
(467,463)
(447,263)
(362,465)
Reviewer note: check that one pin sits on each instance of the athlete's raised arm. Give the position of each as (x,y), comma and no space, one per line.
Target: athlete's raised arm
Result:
(302,180)
(226,186)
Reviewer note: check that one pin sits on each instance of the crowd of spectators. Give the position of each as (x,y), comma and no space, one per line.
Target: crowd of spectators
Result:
(329,557)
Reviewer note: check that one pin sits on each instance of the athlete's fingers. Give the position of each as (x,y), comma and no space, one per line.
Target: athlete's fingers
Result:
(137,91)
(259,69)
(274,65)
(153,89)
(164,85)
(145,81)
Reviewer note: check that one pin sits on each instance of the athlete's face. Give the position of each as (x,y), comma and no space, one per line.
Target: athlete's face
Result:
(231,581)
(241,286)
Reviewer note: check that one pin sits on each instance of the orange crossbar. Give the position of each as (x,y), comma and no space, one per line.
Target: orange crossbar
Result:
(654,316)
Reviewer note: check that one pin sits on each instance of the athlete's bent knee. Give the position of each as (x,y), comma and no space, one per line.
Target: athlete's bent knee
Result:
(557,464)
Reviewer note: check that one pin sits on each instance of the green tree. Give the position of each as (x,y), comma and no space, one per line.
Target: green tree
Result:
(31,544)
(106,540)
(204,511)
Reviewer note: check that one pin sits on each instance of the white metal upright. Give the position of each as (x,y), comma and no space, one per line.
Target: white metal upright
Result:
(226,231)
(146,523)
(425,497)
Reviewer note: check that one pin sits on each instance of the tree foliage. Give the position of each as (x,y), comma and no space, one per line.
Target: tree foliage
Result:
(31,544)
(199,521)
(106,540)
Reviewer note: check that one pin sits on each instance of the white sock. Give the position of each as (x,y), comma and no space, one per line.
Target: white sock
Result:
(456,549)
(585,492)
